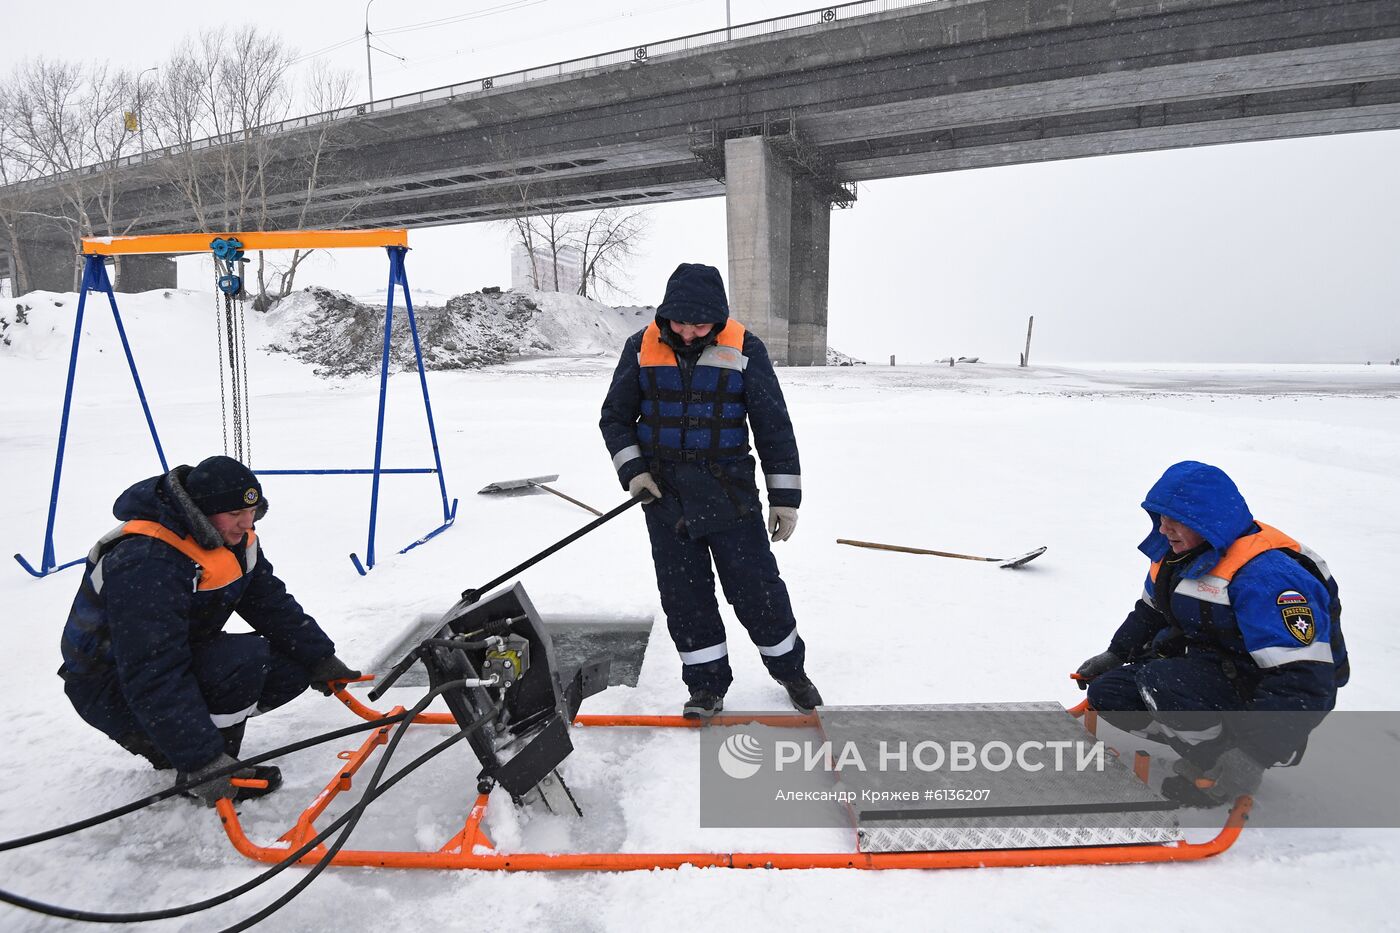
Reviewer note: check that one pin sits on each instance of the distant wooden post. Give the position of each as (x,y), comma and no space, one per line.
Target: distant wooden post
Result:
(891,359)
(1026,357)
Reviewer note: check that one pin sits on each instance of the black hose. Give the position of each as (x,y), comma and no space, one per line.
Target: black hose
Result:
(350,817)
(144,802)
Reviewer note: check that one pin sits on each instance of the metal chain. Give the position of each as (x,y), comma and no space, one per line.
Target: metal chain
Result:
(219,348)
(235,393)
(247,413)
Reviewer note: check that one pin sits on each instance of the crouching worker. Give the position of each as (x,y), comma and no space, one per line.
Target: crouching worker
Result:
(1235,616)
(145,660)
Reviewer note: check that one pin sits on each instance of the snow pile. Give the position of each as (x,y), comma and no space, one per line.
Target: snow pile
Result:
(835,357)
(28,331)
(340,335)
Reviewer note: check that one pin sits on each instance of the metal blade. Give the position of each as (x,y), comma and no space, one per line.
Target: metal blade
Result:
(1021,561)
(519,487)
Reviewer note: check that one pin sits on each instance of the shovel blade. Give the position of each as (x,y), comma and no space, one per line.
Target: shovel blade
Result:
(1021,561)
(516,487)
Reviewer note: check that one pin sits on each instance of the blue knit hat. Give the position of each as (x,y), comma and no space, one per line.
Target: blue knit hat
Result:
(695,295)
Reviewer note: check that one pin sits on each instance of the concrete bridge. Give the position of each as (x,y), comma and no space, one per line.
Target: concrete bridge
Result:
(783,123)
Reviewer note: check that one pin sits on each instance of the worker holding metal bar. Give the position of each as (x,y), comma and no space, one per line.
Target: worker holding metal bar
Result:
(145,657)
(676,421)
(1235,616)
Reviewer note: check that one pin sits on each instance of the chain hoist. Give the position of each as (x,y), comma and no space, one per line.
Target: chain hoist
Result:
(234,399)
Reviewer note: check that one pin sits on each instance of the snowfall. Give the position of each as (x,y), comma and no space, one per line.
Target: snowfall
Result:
(985,459)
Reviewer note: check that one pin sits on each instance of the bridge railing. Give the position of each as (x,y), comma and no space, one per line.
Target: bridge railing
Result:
(491,84)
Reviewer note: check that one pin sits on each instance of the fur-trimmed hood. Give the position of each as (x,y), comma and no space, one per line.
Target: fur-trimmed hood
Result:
(163,499)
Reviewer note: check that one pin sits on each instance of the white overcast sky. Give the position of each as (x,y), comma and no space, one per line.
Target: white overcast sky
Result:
(1279,251)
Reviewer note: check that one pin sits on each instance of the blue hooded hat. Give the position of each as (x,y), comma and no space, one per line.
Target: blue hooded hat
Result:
(695,295)
(1203,498)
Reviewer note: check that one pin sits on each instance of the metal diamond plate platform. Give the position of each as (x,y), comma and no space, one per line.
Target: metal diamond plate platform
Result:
(921,809)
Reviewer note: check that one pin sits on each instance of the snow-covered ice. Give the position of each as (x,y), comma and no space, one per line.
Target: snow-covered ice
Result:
(982,459)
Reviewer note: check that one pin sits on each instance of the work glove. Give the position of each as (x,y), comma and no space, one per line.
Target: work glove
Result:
(211,791)
(643,487)
(782,521)
(1099,664)
(330,669)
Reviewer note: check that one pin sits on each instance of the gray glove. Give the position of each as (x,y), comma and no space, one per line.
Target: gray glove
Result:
(782,521)
(1235,774)
(1099,664)
(643,487)
(330,669)
(212,790)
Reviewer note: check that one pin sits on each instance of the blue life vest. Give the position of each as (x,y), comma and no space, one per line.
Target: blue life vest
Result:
(697,414)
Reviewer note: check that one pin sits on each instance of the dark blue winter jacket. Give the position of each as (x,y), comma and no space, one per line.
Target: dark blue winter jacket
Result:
(141,605)
(1255,599)
(683,414)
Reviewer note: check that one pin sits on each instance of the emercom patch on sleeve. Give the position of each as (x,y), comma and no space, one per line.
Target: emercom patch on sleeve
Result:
(1297,616)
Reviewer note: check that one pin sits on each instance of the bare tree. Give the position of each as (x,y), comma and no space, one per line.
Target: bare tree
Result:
(14,170)
(607,241)
(328,90)
(216,98)
(219,97)
(65,120)
(595,246)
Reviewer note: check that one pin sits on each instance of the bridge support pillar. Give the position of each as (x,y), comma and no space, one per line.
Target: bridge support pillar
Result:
(144,273)
(779,249)
(758,214)
(49,267)
(808,274)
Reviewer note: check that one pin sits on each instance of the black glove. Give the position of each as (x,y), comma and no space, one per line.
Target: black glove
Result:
(1099,664)
(212,790)
(330,669)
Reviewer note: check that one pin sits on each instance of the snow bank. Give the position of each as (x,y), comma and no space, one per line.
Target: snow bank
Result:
(341,335)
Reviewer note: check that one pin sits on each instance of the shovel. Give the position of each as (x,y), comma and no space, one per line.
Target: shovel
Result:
(1006,563)
(525,487)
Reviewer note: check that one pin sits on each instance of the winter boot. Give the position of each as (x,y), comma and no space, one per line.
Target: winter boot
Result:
(233,737)
(803,694)
(138,743)
(702,705)
(1183,792)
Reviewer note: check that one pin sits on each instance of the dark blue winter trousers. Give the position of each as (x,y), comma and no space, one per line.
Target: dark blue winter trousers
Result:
(1170,700)
(749,575)
(235,673)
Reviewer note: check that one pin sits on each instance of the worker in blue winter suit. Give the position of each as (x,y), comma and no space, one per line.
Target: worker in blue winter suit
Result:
(145,660)
(676,422)
(1235,616)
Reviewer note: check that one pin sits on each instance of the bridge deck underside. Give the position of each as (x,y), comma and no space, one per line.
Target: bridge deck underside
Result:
(925,89)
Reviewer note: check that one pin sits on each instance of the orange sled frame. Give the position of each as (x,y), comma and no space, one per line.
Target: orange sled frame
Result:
(461,851)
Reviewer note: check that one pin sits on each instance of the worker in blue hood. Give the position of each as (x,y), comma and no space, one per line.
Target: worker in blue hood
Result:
(676,422)
(1235,615)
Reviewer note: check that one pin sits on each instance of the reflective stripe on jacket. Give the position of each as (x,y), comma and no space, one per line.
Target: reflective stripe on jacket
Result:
(1267,595)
